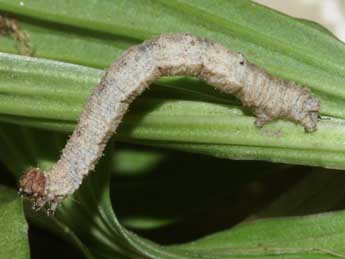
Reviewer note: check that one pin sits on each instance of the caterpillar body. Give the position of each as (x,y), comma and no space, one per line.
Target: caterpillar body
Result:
(136,69)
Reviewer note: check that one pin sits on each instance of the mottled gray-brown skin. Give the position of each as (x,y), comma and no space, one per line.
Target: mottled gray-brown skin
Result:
(138,67)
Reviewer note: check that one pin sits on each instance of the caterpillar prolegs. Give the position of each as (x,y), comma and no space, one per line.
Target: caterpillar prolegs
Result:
(136,69)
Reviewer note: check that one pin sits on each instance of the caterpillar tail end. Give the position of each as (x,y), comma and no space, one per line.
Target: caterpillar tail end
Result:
(32,185)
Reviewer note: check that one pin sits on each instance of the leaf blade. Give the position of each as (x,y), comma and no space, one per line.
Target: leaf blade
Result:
(14,238)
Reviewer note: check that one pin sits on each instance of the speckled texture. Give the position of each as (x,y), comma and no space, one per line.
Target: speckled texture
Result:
(139,66)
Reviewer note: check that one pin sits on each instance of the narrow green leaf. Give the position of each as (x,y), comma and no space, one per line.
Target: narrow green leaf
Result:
(68,44)
(48,94)
(315,236)
(14,241)
(284,46)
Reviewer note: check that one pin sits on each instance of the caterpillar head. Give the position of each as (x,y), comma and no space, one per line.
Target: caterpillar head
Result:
(32,185)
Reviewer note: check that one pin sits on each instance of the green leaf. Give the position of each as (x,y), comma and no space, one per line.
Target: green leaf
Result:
(47,94)
(180,114)
(14,229)
(315,236)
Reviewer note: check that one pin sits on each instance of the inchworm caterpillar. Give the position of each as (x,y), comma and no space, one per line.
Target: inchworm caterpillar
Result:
(138,67)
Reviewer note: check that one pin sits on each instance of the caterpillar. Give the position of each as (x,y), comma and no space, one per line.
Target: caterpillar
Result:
(136,69)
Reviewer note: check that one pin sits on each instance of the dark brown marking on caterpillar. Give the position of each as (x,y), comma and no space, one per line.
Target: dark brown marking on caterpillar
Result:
(138,67)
